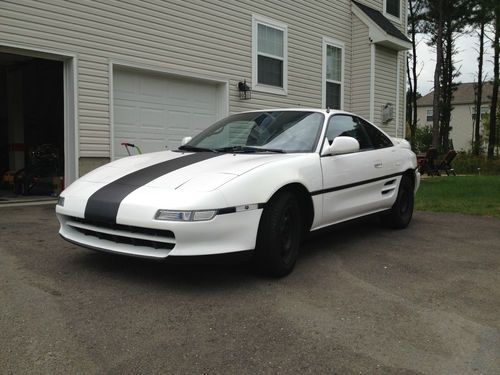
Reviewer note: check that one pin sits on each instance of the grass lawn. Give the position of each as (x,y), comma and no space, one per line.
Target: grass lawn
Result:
(475,195)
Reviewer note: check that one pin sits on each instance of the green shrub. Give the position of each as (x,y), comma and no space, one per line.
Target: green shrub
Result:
(465,163)
(423,139)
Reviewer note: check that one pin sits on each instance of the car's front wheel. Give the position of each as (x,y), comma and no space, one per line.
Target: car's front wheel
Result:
(401,212)
(278,238)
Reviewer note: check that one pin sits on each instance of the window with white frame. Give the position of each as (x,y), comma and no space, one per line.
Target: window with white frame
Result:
(485,112)
(269,55)
(393,8)
(430,115)
(333,66)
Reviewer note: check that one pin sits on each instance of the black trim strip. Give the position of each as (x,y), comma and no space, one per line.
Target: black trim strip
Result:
(103,205)
(227,210)
(232,210)
(354,184)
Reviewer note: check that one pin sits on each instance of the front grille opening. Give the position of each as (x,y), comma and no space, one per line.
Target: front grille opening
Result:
(125,228)
(126,240)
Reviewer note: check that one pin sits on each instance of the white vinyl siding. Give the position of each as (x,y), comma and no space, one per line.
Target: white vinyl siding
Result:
(375,4)
(385,86)
(360,80)
(207,38)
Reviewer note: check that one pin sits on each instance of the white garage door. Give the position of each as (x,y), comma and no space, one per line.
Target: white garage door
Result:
(155,111)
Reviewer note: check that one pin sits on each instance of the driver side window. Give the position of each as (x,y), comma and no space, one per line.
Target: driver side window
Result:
(347,126)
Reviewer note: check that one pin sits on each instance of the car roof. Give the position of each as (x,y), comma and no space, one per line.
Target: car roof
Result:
(325,111)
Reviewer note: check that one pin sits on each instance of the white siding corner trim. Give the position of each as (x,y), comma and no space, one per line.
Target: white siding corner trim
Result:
(398,91)
(256,20)
(405,89)
(372,82)
(335,43)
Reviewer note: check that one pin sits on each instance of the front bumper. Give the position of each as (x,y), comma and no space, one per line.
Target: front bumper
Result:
(225,233)
(417,180)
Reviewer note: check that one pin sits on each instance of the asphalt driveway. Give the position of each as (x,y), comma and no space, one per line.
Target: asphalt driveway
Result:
(361,300)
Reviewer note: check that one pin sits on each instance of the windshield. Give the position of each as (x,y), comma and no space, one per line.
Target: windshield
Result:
(278,131)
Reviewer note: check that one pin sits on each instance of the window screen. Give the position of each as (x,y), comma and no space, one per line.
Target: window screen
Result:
(393,7)
(270,55)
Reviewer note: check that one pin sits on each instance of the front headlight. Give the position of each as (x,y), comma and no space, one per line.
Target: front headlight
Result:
(60,201)
(171,215)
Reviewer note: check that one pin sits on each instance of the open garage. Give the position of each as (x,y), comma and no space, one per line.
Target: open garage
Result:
(31,126)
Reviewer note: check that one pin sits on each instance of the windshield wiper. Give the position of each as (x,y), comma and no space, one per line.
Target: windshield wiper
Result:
(249,149)
(196,149)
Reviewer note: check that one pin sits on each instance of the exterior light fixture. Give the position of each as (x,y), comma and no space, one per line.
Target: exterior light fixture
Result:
(244,90)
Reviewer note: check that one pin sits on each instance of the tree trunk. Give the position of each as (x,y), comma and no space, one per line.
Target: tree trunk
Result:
(447,89)
(414,96)
(496,79)
(413,87)
(409,104)
(479,96)
(437,77)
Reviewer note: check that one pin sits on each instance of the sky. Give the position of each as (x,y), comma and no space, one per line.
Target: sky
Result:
(465,60)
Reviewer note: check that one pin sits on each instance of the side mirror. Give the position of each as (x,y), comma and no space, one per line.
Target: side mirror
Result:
(185,140)
(342,145)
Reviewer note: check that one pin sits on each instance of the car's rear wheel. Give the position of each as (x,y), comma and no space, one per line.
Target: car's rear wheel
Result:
(401,212)
(278,238)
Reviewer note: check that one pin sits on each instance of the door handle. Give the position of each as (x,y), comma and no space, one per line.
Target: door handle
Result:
(378,164)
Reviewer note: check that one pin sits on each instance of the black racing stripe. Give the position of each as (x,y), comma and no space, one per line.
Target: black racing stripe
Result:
(103,205)
(354,184)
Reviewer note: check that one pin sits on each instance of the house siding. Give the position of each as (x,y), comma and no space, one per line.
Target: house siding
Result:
(385,86)
(360,82)
(211,38)
(401,131)
(461,123)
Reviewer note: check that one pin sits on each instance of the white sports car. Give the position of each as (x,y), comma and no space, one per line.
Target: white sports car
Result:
(257,181)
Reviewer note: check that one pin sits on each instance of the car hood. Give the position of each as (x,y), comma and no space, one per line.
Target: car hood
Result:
(202,175)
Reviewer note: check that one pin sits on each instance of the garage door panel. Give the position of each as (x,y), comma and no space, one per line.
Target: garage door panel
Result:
(155,110)
(153,86)
(152,119)
(125,114)
(125,82)
(152,144)
(187,122)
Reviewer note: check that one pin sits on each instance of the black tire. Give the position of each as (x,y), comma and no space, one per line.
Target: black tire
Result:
(279,235)
(401,212)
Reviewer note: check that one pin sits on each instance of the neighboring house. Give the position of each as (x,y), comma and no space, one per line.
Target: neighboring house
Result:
(462,115)
(88,75)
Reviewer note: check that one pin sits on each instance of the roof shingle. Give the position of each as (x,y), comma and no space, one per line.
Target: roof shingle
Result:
(464,94)
(382,21)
